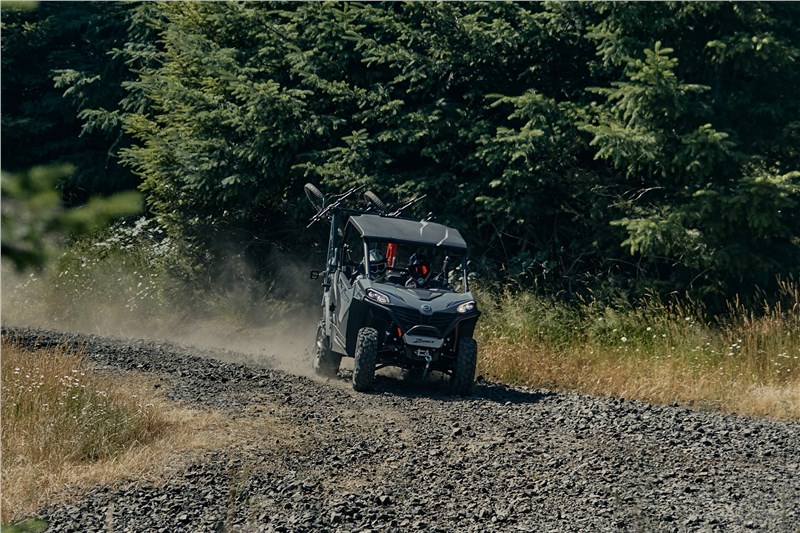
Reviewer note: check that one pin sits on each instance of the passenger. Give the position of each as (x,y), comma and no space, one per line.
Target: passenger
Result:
(377,263)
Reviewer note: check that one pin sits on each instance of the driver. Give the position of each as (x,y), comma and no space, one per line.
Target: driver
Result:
(419,270)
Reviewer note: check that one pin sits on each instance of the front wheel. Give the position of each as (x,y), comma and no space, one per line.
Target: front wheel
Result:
(326,362)
(365,358)
(466,363)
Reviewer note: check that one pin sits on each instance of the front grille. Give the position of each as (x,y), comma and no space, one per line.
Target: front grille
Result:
(441,320)
(412,317)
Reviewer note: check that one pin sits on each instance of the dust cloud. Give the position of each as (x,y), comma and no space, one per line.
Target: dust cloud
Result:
(271,322)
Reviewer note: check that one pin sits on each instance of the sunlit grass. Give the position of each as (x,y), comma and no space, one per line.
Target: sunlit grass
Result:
(57,412)
(654,351)
(55,407)
(67,427)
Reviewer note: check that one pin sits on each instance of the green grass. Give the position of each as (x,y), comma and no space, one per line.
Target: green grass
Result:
(32,525)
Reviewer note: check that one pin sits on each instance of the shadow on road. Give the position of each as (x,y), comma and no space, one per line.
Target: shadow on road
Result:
(437,387)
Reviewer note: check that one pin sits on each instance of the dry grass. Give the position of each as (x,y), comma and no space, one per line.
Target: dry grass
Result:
(749,364)
(109,428)
(659,381)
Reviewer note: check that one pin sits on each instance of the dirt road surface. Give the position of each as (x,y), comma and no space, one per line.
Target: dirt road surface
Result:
(411,457)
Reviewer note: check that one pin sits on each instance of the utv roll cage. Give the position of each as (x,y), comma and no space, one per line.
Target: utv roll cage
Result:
(337,213)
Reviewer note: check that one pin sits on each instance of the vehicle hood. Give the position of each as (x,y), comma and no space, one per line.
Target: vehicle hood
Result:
(437,299)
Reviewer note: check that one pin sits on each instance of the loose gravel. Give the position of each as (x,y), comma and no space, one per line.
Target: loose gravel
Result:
(411,457)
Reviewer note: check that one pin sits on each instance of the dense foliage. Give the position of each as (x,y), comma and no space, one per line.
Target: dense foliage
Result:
(578,145)
(56,67)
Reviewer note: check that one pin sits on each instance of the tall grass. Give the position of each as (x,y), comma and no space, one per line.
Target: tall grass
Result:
(746,362)
(58,413)
(67,428)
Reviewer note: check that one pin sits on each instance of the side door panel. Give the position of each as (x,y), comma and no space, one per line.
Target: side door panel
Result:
(344,297)
(348,259)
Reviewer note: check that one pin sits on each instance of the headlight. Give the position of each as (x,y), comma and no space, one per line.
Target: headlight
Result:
(379,297)
(466,307)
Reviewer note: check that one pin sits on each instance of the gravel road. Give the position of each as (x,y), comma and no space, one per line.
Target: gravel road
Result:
(410,457)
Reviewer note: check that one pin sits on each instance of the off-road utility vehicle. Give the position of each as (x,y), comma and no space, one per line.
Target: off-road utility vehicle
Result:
(396,293)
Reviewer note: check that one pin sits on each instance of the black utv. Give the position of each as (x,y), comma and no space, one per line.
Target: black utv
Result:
(396,293)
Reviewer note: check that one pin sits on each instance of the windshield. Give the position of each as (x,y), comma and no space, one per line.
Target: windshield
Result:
(415,266)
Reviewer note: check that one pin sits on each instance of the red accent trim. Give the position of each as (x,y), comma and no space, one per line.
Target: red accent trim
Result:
(391,249)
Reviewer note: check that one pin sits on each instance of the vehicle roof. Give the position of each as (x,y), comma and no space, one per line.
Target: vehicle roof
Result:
(407,231)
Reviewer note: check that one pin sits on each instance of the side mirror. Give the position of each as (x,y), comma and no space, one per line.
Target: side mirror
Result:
(314,274)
